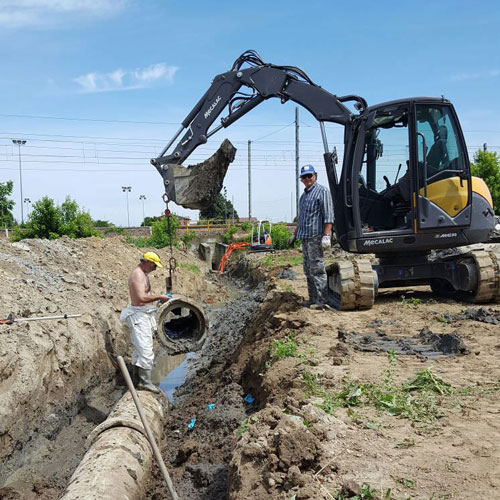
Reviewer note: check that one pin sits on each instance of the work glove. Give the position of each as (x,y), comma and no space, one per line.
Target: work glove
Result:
(291,241)
(326,242)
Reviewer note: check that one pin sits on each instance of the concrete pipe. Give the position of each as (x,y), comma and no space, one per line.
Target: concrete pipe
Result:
(182,325)
(119,457)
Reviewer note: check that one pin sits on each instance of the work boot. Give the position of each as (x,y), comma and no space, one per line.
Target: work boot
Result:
(145,383)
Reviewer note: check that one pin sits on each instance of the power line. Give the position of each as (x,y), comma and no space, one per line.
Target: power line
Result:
(103,120)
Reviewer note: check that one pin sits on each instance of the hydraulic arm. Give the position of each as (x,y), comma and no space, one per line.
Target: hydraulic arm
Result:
(260,81)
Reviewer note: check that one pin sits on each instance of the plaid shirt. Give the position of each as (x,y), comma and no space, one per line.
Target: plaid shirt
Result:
(315,210)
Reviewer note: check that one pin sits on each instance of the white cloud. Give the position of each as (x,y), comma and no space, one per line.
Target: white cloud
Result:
(20,13)
(492,73)
(126,80)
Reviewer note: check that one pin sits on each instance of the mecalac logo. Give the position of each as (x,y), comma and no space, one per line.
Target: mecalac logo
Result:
(378,241)
(212,107)
(446,235)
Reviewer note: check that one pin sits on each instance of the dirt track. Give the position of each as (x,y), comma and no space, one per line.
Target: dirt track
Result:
(59,379)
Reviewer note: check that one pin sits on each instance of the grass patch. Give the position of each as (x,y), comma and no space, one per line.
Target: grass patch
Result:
(285,348)
(190,267)
(418,399)
(272,260)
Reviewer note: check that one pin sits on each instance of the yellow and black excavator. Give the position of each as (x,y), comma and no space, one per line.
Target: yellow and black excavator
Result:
(405,191)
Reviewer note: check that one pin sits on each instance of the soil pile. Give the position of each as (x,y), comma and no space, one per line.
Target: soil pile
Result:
(58,378)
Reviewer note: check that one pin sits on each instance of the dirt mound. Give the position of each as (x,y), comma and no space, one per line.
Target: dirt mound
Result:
(58,378)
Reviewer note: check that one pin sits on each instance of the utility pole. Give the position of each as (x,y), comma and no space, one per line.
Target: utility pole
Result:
(296,162)
(225,205)
(143,197)
(232,203)
(20,143)
(127,189)
(249,181)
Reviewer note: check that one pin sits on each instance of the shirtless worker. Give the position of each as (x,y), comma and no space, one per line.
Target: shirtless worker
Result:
(140,317)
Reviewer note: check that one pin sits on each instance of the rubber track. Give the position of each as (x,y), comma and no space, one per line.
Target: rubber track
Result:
(495,256)
(356,284)
(487,277)
(345,300)
(365,291)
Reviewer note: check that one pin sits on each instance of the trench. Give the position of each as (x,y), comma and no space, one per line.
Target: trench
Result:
(199,388)
(207,405)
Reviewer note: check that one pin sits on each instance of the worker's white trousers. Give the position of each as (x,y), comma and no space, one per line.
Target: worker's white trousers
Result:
(141,321)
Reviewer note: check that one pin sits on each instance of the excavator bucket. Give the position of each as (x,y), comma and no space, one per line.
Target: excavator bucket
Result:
(197,186)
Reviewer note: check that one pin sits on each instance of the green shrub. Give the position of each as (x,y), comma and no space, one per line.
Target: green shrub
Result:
(280,236)
(228,235)
(188,237)
(163,233)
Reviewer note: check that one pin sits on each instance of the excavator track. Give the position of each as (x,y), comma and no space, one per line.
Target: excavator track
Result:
(351,284)
(495,256)
(487,270)
(486,261)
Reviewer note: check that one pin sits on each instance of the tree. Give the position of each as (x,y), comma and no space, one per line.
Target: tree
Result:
(45,220)
(6,205)
(102,223)
(219,210)
(50,221)
(486,165)
(148,221)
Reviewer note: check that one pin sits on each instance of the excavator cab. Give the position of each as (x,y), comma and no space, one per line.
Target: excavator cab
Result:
(408,181)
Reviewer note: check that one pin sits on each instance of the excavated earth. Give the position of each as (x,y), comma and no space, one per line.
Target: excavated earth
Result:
(247,423)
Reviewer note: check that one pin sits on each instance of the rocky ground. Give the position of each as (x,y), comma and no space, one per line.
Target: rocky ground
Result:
(307,404)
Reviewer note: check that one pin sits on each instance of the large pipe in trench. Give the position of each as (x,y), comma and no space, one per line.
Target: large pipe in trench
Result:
(119,457)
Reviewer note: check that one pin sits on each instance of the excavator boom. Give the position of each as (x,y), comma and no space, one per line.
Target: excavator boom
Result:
(261,81)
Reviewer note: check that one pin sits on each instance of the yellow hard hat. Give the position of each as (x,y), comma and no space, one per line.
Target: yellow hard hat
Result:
(152,257)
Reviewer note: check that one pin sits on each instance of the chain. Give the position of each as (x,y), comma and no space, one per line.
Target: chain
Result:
(172,263)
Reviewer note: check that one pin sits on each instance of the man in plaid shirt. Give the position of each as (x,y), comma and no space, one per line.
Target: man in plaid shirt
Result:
(314,227)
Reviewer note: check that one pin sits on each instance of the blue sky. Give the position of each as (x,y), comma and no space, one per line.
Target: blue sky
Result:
(97,87)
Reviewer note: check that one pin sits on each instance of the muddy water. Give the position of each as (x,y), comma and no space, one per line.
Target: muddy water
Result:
(170,372)
(198,457)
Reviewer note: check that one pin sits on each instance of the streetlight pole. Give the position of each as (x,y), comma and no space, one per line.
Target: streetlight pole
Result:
(143,197)
(127,189)
(20,143)
(28,203)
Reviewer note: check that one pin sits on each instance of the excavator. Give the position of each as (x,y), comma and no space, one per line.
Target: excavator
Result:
(404,193)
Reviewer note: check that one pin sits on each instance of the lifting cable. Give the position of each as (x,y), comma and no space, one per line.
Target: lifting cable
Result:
(172,263)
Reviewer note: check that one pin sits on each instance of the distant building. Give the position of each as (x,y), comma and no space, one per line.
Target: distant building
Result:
(252,220)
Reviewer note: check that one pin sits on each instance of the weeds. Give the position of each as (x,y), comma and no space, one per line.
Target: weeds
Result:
(367,492)
(418,399)
(404,482)
(285,348)
(412,301)
(245,425)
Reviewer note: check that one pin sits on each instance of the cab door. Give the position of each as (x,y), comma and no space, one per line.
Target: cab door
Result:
(443,189)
